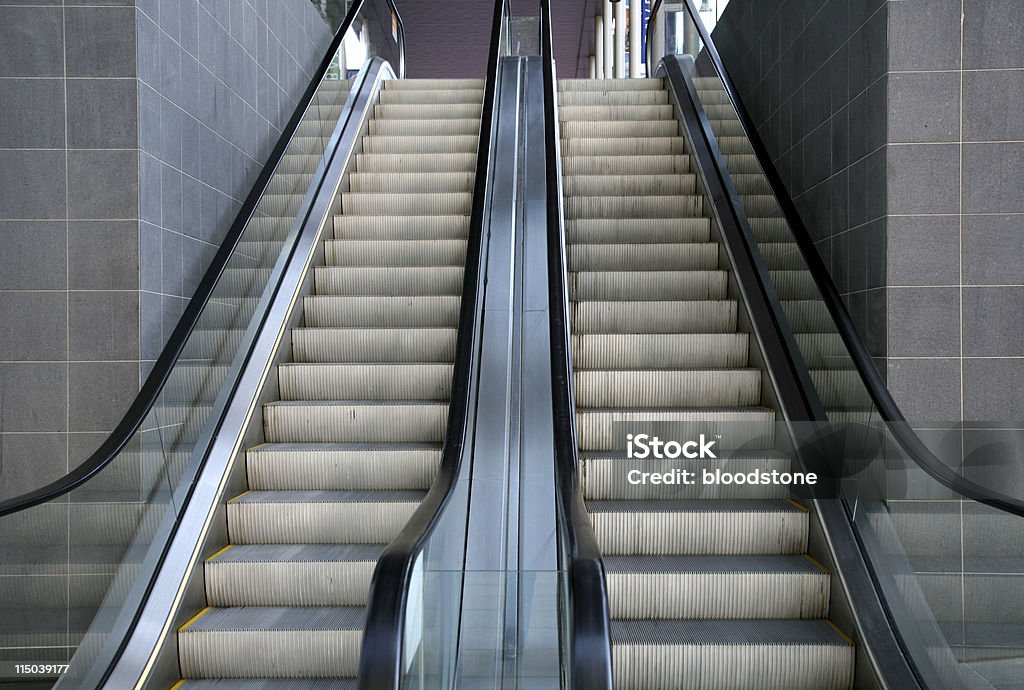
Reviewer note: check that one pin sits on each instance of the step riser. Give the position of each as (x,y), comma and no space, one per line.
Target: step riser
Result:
(381,312)
(736,667)
(375,345)
(585,85)
(608,479)
(717,595)
(653,317)
(569,113)
(338,470)
(401,227)
(632,127)
(462,143)
(389,281)
(288,584)
(262,654)
(638,230)
(355,424)
(413,204)
(643,257)
(649,146)
(358,253)
(410,183)
(317,523)
(443,127)
(625,165)
(718,350)
(415,163)
(633,207)
(689,285)
(702,533)
(633,185)
(395,111)
(572,98)
(441,99)
(365,382)
(725,388)
(603,430)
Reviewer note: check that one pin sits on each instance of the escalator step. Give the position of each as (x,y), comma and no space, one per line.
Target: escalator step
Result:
(740,655)
(668,350)
(634,127)
(291,574)
(428,96)
(389,281)
(431,127)
(454,143)
(587,85)
(407,204)
(691,527)
(334,421)
(614,97)
(377,312)
(643,257)
(395,253)
(374,344)
(320,517)
(651,185)
(269,642)
(607,164)
(635,230)
(404,183)
(570,113)
(623,146)
(342,466)
(668,388)
(415,162)
(648,285)
(269,684)
(628,316)
(427,111)
(719,587)
(390,381)
(750,428)
(437,227)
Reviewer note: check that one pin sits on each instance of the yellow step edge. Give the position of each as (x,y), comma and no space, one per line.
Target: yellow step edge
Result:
(816,564)
(220,552)
(193,619)
(239,496)
(799,505)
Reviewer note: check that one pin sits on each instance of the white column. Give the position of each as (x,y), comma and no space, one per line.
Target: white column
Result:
(609,45)
(620,39)
(599,47)
(592,72)
(636,57)
(658,49)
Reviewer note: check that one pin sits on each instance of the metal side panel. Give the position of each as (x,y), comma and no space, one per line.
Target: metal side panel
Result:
(150,657)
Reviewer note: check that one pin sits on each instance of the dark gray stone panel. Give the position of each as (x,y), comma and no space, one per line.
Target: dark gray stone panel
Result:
(992,248)
(923,250)
(100,41)
(993,321)
(100,393)
(33,113)
(924,178)
(34,325)
(924,322)
(103,184)
(992,178)
(103,325)
(994,391)
(105,255)
(31,42)
(35,396)
(924,107)
(103,113)
(34,255)
(32,184)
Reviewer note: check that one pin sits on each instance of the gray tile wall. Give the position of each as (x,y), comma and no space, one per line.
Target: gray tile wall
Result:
(813,76)
(129,134)
(956,157)
(69,301)
(217,82)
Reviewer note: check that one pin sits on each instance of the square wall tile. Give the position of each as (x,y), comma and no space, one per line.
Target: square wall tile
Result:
(35,396)
(994,391)
(30,461)
(992,175)
(923,250)
(35,325)
(103,113)
(106,254)
(100,393)
(924,322)
(927,390)
(993,34)
(992,101)
(26,187)
(100,41)
(31,42)
(924,107)
(35,255)
(924,178)
(104,325)
(993,321)
(921,33)
(103,184)
(993,250)
(33,113)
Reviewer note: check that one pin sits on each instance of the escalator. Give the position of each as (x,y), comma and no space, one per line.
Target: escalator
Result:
(711,589)
(354,441)
(300,426)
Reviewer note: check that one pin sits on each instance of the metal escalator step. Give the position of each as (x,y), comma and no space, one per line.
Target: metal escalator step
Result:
(194,381)
(606,476)
(431,127)
(269,684)
(649,164)
(671,206)
(404,183)
(712,96)
(751,428)
(395,253)
(454,143)
(381,312)
(290,183)
(794,284)
(695,527)
(291,574)
(374,344)
(642,257)
(265,228)
(272,642)
(625,316)
(782,256)
(407,204)
(428,96)
(667,388)
(727,128)
(243,282)
(570,113)
(648,285)
(808,316)
(823,350)
(613,97)
(638,230)
(420,84)
(668,350)
(427,111)
(610,85)
(401,227)
(342,466)
(739,655)
(415,162)
(320,517)
(390,381)
(730,145)
(841,388)
(636,184)
(390,280)
(771,230)
(633,126)
(717,587)
(720,111)
(751,183)
(623,146)
(343,421)
(742,163)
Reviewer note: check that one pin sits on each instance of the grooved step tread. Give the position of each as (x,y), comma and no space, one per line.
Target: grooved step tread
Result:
(299,553)
(678,633)
(654,564)
(655,505)
(351,497)
(278,619)
(270,684)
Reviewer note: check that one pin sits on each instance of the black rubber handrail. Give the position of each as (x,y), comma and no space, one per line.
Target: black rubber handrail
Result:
(380,663)
(876,386)
(590,644)
(150,391)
